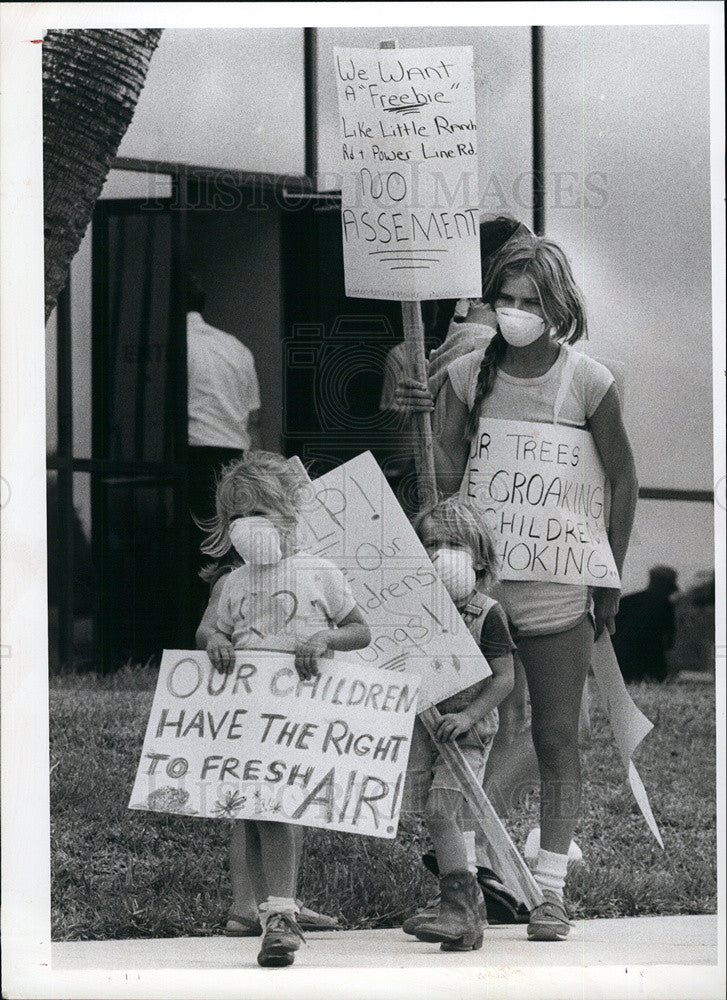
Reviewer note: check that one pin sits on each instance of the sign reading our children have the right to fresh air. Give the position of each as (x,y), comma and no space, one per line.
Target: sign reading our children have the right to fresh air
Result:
(409,188)
(260,743)
(545,493)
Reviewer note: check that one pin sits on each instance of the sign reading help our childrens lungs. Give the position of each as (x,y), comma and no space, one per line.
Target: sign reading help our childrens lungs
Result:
(259,743)
(352,517)
(409,188)
(546,496)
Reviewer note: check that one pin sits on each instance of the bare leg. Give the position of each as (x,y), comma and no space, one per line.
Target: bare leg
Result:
(443,825)
(278,857)
(556,667)
(512,767)
(254,872)
(298,833)
(247,892)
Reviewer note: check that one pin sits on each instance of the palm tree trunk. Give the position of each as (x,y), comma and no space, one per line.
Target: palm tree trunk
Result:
(91,83)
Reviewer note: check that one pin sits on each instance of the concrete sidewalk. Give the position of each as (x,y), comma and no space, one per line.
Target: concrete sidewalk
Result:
(623,942)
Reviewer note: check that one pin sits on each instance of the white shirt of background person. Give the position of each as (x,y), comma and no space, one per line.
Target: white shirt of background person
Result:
(222,389)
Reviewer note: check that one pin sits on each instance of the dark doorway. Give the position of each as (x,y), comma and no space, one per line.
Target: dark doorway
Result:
(139,421)
(334,348)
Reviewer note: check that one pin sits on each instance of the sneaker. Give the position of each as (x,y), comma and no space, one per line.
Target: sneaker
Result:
(238,926)
(281,939)
(423,916)
(309,920)
(549,921)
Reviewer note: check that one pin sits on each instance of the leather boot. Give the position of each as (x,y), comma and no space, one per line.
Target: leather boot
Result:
(424,916)
(459,926)
(502,905)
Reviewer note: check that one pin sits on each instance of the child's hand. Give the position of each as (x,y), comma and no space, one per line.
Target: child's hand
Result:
(413,395)
(221,652)
(308,652)
(605,606)
(452,725)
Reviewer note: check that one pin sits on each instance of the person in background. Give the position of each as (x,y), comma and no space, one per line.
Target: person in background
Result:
(645,627)
(398,457)
(452,327)
(694,630)
(223,407)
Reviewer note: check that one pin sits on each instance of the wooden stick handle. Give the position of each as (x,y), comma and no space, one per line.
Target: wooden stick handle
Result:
(416,362)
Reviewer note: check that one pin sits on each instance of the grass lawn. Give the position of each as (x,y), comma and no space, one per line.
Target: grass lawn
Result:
(118,873)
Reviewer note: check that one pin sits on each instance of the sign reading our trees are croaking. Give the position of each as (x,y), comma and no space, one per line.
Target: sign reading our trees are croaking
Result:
(409,190)
(545,494)
(260,743)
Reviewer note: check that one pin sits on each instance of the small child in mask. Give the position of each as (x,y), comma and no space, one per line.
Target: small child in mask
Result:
(277,597)
(455,536)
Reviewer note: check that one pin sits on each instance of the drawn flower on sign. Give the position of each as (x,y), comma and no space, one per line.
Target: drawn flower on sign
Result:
(263,801)
(230,804)
(167,799)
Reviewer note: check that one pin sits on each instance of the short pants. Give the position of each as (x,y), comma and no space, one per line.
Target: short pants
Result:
(430,786)
(536,608)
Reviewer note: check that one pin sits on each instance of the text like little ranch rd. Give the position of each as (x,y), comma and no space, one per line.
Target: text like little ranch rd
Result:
(260,743)
(546,498)
(351,516)
(409,189)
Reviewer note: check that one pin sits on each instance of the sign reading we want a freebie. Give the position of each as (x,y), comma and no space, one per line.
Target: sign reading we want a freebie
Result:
(409,187)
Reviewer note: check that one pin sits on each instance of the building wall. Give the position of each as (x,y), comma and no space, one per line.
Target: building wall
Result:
(230,98)
(618,111)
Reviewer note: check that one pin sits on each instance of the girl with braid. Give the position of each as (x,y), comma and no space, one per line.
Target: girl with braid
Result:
(529,372)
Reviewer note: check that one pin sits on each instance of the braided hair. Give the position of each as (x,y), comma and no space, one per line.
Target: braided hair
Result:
(544,262)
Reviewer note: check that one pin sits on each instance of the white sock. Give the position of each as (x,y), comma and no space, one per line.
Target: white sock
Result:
(469,843)
(278,904)
(550,871)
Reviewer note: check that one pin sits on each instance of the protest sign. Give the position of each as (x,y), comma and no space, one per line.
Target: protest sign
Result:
(546,497)
(259,743)
(352,517)
(409,191)
(628,723)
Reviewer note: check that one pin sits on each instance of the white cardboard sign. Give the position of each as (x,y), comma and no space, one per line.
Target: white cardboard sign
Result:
(353,518)
(546,496)
(409,188)
(259,743)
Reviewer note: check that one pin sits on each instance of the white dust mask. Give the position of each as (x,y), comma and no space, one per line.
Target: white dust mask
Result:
(519,328)
(456,571)
(257,540)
